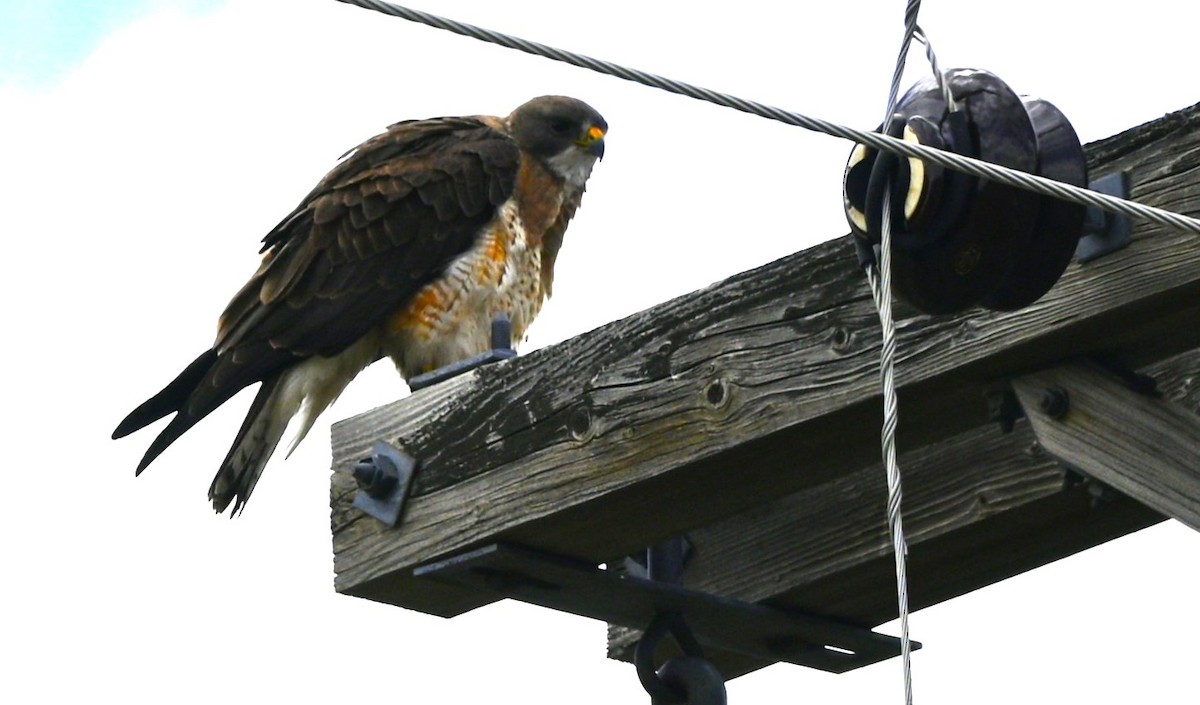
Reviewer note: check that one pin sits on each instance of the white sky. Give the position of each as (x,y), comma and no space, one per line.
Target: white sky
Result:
(135,191)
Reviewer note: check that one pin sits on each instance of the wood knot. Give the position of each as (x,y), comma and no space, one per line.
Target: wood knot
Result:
(658,362)
(793,316)
(580,423)
(840,339)
(716,392)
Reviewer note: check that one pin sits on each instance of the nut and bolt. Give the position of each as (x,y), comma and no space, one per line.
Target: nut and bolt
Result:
(375,476)
(1055,402)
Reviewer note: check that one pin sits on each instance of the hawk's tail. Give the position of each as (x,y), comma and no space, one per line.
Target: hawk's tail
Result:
(173,398)
(255,443)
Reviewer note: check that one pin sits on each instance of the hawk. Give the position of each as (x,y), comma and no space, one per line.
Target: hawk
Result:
(407,249)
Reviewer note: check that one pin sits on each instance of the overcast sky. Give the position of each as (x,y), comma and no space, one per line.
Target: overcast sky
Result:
(148,145)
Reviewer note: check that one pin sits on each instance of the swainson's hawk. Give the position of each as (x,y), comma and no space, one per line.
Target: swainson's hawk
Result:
(407,249)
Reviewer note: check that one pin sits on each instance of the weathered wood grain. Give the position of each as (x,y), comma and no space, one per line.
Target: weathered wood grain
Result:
(1146,448)
(756,388)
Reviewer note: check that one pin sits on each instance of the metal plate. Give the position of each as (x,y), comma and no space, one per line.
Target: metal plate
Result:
(584,589)
(1105,233)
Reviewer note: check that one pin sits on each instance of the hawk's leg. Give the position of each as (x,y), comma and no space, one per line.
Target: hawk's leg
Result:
(502,349)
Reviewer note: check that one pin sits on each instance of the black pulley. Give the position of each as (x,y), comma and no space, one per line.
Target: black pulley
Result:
(959,240)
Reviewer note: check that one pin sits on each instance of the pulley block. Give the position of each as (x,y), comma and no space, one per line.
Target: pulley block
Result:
(959,240)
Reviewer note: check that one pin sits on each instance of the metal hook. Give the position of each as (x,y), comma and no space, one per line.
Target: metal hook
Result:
(643,661)
(682,679)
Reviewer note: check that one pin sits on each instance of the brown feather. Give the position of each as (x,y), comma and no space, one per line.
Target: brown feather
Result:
(420,161)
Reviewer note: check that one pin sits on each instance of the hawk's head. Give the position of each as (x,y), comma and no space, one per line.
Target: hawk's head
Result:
(565,133)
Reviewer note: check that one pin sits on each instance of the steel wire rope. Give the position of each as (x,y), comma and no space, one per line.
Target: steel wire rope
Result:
(986,170)
(880,281)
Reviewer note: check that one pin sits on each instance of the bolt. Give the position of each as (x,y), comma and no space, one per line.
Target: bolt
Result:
(373,477)
(501,332)
(1102,495)
(1055,402)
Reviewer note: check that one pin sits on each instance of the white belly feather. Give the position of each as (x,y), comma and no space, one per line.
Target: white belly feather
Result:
(452,317)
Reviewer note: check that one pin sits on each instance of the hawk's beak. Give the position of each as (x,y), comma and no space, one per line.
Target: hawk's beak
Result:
(592,141)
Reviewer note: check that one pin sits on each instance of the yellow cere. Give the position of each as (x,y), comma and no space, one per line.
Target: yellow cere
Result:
(594,133)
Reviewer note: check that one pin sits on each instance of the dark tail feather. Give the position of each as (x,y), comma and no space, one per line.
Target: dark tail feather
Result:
(169,435)
(260,433)
(168,401)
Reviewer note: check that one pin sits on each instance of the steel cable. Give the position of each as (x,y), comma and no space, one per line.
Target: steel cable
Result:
(975,167)
(881,288)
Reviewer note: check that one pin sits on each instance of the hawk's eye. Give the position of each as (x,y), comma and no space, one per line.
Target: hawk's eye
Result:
(561,127)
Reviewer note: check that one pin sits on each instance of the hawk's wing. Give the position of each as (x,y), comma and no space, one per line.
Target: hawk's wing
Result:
(385,222)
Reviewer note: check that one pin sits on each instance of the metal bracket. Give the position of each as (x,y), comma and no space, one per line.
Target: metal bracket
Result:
(1104,232)
(383,482)
(1003,407)
(502,349)
(664,561)
(719,622)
